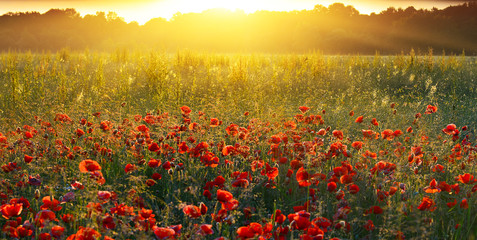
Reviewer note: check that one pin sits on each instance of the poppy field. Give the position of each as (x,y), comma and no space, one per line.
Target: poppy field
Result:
(149,145)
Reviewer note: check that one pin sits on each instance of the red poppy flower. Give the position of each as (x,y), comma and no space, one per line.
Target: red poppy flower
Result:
(271,172)
(85,233)
(357,145)
(104,196)
(397,133)
(430,109)
(67,218)
(185,110)
(22,231)
(11,210)
(232,129)
(28,159)
(304,109)
(427,204)
(331,187)
(353,189)
(300,220)
(44,236)
(44,215)
(57,231)
(374,210)
(464,204)
(192,211)
(245,233)
(164,233)
(129,168)
(50,203)
(150,182)
(387,134)
(369,225)
(279,217)
(153,147)
(230,205)
(432,188)
(370,134)
(98,177)
(224,196)
(359,119)
(302,177)
(374,122)
(206,229)
(108,222)
(79,132)
(450,129)
(154,163)
(438,168)
(214,122)
(338,134)
(451,204)
(89,166)
(466,178)
(142,128)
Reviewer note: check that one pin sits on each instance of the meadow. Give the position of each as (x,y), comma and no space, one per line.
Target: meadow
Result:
(199,145)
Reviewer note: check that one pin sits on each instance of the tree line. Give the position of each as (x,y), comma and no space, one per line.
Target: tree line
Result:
(336,29)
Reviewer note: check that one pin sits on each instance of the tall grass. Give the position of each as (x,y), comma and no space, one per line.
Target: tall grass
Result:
(84,82)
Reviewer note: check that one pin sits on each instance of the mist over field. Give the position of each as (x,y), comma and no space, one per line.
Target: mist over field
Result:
(337,29)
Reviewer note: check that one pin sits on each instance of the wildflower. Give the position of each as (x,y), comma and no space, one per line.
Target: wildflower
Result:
(338,134)
(11,210)
(302,177)
(192,211)
(432,188)
(129,168)
(357,145)
(353,189)
(28,159)
(369,225)
(57,231)
(224,196)
(304,109)
(89,166)
(466,178)
(450,129)
(374,122)
(214,122)
(427,204)
(464,204)
(185,110)
(430,109)
(85,233)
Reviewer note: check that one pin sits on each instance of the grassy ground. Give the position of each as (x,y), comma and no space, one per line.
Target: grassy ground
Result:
(246,149)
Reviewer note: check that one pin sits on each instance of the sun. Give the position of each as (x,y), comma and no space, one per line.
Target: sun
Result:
(248,6)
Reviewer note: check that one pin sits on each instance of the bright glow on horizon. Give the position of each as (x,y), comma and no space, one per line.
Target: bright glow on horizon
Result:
(142,11)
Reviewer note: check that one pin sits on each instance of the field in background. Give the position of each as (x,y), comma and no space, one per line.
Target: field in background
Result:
(192,145)
(228,85)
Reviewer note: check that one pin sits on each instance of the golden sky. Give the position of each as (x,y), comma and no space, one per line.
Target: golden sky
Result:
(143,10)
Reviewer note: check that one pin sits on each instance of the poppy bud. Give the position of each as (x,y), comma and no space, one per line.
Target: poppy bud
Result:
(37,193)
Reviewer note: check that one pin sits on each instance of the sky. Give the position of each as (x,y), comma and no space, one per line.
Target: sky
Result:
(143,10)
